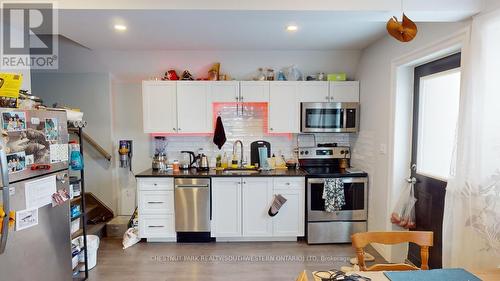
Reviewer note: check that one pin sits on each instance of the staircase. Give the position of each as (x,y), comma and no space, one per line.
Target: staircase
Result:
(97,214)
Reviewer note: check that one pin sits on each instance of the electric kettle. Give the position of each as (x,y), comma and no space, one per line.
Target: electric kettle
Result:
(202,162)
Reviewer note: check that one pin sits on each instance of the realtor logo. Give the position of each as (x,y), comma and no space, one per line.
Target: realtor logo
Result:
(29,35)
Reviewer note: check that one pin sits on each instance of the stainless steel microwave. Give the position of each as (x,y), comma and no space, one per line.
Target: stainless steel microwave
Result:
(329,117)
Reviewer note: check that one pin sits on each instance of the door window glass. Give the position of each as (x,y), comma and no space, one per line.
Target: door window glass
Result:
(437,121)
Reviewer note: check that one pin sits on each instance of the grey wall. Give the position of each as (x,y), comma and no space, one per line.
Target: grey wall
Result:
(89,92)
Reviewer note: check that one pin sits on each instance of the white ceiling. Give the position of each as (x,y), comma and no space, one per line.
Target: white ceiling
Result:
(184,29)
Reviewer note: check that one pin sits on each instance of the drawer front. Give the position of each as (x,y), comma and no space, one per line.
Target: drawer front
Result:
(155,184)
(296,183)
(157,226)
(156,202)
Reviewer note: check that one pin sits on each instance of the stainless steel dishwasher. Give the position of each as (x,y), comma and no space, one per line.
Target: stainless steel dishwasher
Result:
(192,209)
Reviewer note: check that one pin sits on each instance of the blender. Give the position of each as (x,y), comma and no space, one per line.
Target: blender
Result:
(160,156)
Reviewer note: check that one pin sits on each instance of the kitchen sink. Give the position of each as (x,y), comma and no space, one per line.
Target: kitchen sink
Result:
(241,171)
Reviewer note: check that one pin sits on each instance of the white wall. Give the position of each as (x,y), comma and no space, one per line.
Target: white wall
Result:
(90,93)
(113,108)
(370,148)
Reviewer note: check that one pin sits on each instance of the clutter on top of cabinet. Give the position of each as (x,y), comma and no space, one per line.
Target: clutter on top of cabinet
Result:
(292,73)
(337,76)
(186,75)
(270,74)
(170,75)
(213,73)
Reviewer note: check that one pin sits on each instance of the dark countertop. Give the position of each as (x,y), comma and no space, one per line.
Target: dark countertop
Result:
(213,173)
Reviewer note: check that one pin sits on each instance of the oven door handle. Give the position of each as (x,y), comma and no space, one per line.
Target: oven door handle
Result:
(355,180)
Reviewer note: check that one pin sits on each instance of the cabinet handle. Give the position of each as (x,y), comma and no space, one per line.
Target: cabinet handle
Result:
(238,182)
(270,129)
(178,129)
(155,184)
(237,98)
(174,129)
(155,202)
(241,98)
(287,183)
(244,182)
(156,226)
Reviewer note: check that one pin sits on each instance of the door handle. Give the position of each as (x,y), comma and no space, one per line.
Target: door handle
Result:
(412,180)
(5,196)
(155,202)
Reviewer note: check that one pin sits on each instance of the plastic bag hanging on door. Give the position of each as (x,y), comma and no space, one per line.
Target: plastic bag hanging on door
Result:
(404,212)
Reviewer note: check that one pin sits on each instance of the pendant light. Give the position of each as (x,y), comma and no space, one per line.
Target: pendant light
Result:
(403,31)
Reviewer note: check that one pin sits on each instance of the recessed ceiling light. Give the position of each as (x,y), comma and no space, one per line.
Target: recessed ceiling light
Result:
(291,28)
(120,27)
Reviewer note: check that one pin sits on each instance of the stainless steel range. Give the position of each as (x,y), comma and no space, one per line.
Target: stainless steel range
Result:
(333,227)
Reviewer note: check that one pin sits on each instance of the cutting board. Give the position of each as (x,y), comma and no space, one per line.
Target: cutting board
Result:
(254,150)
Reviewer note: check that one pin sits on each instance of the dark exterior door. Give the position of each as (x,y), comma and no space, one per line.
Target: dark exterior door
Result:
(435,113)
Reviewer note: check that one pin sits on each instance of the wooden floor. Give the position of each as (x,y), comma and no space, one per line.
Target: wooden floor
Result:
(216,261)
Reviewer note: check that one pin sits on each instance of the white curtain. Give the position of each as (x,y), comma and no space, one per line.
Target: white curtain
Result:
(471,227)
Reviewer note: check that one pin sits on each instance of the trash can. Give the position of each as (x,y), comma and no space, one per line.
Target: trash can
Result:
(92,247)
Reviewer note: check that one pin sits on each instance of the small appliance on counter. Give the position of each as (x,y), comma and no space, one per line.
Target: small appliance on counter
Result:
(188,160)
(202,162)
(160,157)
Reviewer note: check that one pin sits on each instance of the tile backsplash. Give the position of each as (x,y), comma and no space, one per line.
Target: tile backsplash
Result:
(248,124)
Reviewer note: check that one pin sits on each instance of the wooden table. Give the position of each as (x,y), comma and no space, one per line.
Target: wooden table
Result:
(483,274)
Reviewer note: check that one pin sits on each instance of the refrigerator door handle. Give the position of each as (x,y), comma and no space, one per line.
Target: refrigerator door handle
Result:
(5,196)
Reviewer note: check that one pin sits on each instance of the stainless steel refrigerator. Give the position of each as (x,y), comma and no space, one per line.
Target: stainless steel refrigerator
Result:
(34,248)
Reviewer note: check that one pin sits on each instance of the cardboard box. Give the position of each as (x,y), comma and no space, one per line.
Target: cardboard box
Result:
(117,226)
(337,76)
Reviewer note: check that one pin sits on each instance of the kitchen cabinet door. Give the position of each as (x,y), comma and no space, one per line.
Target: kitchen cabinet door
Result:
(226,207)
(289,222)
(192,107)
(223,91)
(283,107)
(257,195)
(159,107)
(344,91)
(313,91)
(254,91)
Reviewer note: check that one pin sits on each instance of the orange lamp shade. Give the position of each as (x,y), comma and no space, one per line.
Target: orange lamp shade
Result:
(403,31)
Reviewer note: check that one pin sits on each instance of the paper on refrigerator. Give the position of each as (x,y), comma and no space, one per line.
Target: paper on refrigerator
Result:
(26,219)
(39,192)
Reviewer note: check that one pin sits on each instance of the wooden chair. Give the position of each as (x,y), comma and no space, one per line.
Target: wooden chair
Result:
(302,276)
(422,238)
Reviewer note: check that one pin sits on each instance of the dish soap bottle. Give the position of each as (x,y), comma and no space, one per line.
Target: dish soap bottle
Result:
(224,161)
(76,157)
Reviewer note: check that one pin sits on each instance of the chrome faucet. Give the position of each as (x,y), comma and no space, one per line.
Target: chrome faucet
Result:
(241,155)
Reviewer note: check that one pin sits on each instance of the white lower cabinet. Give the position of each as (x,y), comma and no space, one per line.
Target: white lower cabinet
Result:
(257,194)
(290,219)
(226,207)
(155,198)
(240,208)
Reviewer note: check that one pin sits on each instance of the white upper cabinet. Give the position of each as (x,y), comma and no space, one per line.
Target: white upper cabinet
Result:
(283,107)
(192,109)
(257,194)
(344,91)
(254,91)
(223,91)
(159,106)
(313,91)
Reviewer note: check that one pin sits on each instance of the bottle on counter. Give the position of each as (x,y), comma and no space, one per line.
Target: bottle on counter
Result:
(224,161)
(234,162)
